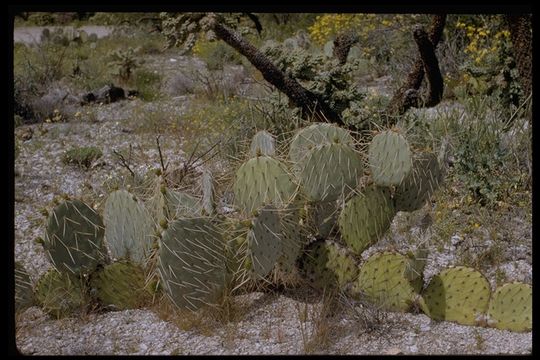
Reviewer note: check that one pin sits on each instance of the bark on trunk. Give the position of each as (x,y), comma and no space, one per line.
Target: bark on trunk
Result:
(312,107)
(405,96)
(342,46)
(431,67)
(521,36)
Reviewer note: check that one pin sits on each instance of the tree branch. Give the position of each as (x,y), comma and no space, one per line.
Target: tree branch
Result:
(431,67)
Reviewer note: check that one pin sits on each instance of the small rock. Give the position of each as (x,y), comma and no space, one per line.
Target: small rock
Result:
(393,351)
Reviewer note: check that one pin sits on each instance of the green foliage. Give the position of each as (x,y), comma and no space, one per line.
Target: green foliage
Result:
(82,156)
(124,62)
(148,84)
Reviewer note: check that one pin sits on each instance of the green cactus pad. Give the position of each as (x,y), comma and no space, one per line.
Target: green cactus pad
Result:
(292,240)
(61,294)
(263,143)
(261,181)
(192,262)
(510,308)
(120,285)
(313,266)
(264,241)
(74,237)
(330,170)
(128,227)
(24,293)
(316,134)
(341,262)
(390,158)
(181,204)
(459,294)
(382,279)
(420,184)
(366,217)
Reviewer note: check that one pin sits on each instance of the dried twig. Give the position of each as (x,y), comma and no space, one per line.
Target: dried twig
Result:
(123,160)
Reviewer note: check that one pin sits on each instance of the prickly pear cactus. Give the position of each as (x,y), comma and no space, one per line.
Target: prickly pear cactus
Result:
(510,307)
(263,143)
(262,180)
(382,279)
(420,184)
(366,217)
(192,262)
(180,204)
(24,293)
(293,238)
(416,263)
(313,266)
(322,218)
(74,237)
(390,158)
(329,171)
(316,134)
(120,285)
(342,263)
(61,294)
(208,196)
(264,241)
(128,227)
(459,294)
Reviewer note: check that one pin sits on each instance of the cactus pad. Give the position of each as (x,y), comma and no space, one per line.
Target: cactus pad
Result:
(420,184)
(120,285)
(61,294)
(313,266)
(510,307)
(366,217)
(264,241)
(330,170)
(390,158)
(128,227)
(192,262)
(24,294)
(341,263)
(382,279)
(263,143)
(457,294)
(74,237)
(416,264)
(322,218)
(292,239)
(260,181)
(316,134)
(208,198)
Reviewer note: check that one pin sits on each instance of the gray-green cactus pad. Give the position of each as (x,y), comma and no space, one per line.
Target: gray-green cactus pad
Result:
(322,218)
(128,227)
(329,171)
(264,240)
(121,285)
(61,294)
(293,238)
(316,134)
(390,158)
(261,181)
(263,143)
(510,307)
(382,279)
(74,237)
(192,262)
(24,293)
(420,184)
(366,217)
(459,294)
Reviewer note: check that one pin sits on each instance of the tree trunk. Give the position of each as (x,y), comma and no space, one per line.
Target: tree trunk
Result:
(521,36)
(312,107)
(431,67)
(342,46)
(402,99)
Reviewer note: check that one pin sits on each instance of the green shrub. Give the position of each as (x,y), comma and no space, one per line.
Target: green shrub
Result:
(148,84)
(82,156)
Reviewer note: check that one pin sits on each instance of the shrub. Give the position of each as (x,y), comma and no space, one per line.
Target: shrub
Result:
(82,156)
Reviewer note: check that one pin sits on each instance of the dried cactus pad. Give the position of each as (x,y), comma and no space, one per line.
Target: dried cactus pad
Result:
(263,143)
(382,279)
(192,262)
(510,307)
(390,158)
(121,285)
(420,184)
(128,227)
(366,217)
(264,241)
(261,181)
(61,294)
(316,134)
(459,294)
(74,237)
(330,170)
(24,294)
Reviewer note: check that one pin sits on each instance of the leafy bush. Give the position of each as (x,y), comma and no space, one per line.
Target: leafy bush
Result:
(82,156)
